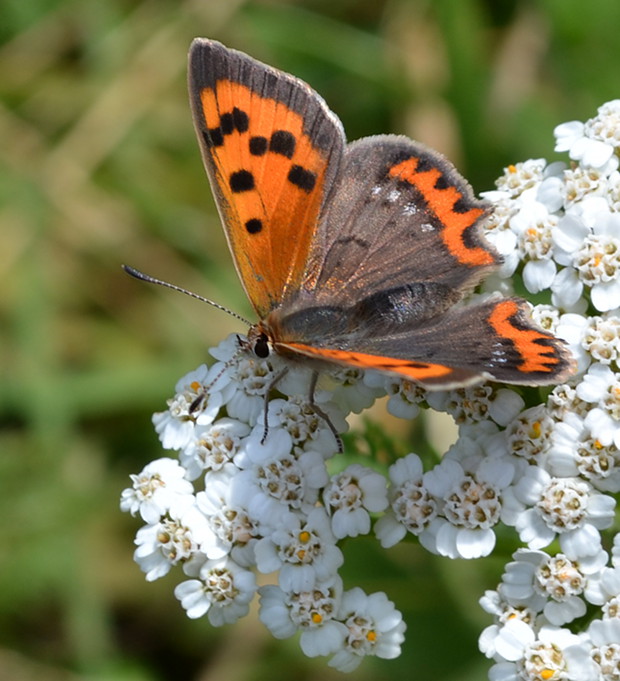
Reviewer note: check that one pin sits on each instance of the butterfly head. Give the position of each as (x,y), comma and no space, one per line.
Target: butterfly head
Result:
(258,342)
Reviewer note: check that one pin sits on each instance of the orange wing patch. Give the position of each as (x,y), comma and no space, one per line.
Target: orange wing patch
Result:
(417,371)
(270,180)
(441,201)
(540,352)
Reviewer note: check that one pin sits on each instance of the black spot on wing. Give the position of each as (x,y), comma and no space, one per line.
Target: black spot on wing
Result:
(425,163)
(282,142)
(241,120)
(241,181)
(258,145)
(461,205)
(302,178)
(236,119)
(442,182)
(227,123)
(213,137)
(254,225)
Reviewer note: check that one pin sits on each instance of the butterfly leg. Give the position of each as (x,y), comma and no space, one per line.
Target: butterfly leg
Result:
(274,381)
(313,405)
(319,412)
(198,400)
(202,395)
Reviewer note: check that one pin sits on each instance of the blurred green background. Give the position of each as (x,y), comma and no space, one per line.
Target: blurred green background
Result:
(99,166)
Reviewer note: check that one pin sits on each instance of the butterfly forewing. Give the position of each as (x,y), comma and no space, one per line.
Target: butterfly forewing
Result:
(272,149)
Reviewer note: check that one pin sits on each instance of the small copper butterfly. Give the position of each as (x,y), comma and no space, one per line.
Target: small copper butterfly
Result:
(355,254)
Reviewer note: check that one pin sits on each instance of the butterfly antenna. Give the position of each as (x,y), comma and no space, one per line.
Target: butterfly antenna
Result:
(133,272)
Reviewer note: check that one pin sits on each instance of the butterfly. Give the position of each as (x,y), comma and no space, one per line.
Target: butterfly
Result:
(354,254)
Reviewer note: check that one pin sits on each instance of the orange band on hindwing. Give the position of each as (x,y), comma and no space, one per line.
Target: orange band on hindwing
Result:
(442,201)
(417,371)
(536,349)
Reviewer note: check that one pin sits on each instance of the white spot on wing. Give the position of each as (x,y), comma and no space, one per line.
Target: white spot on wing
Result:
(499,357)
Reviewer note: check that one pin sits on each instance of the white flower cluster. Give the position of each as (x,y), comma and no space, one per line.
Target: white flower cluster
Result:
(233,504)
(558,227)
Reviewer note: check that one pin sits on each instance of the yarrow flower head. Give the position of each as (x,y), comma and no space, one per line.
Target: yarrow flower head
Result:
(594,143)
(157,489)
(223,592)
(254,489)
(313,612)
(351,496)
(373,627)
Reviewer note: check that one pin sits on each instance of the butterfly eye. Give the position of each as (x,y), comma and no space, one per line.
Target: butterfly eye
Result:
(261,346)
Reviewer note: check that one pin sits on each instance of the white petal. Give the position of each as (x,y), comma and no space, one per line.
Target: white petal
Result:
(606,296)
(596,153)
(513,638)
(567,133)
(584,541)
(562,613)
(538,275)
(570,233)
(389,531)
(475,543)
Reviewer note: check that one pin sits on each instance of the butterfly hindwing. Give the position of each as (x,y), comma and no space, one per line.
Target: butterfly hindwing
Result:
(495,339)
(272,149)
(398,246)
(400,214)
